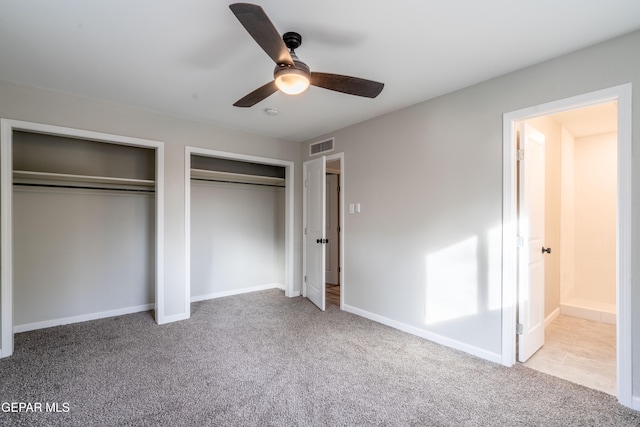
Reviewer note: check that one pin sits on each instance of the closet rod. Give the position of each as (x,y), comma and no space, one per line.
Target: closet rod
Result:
(237,182)
(84,187)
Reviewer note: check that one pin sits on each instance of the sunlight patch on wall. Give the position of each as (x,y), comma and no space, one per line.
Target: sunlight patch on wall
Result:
(452,282)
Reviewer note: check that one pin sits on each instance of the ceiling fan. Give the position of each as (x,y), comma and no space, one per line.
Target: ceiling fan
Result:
(291,75)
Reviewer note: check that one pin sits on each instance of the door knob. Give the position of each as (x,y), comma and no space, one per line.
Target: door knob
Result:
(547,250)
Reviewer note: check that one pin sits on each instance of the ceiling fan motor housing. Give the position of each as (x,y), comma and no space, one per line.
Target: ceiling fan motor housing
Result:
(299,67)
(287,72)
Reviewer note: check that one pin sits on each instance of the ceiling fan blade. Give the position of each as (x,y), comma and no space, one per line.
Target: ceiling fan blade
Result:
(257,23)
(347,84)
(257,95)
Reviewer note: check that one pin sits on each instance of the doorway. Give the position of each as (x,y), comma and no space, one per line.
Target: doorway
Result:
(323,281)
(621,95)
(332,226)
(577,307)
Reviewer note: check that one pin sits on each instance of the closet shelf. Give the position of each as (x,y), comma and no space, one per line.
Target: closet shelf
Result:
(49,178)
(209,175)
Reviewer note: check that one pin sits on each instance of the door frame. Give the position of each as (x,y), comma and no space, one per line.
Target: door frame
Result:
(622,94)
(289,285)
(7,126)
(341,181)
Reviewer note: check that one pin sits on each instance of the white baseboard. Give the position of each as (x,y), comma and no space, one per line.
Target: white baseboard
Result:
(481,353)
(237,292)
(635,403)
(550,318)
(82,318)
(588,313)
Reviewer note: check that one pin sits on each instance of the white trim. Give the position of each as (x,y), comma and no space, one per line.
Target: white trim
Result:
(6,245)
(624,262)
(81,318)
(550,318)
(231,292)
(187,229)
(289,285)
(635,403)
(160,261)
(303,289)
(621,94)
(475,351)
(584,311)
(7,127)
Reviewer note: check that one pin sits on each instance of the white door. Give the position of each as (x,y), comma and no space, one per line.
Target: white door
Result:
(332,271)
(531,188)
(314,229)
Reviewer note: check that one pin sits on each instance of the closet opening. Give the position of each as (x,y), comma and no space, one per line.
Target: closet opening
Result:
(239,214)
(580,224)
(81,227)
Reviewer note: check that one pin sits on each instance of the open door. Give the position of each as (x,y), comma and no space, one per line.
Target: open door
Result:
(531,187)
(314,231)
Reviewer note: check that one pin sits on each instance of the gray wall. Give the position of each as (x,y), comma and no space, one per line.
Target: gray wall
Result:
(80,252)
(41,106)
(237,237)
(430,176)
(55,154)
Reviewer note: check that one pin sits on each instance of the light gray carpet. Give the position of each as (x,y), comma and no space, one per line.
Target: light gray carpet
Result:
(264,359)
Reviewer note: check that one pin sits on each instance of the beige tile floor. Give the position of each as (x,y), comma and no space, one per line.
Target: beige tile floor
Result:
(578,350)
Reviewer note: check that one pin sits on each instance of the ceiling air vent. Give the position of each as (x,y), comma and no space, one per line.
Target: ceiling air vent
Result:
(321,147)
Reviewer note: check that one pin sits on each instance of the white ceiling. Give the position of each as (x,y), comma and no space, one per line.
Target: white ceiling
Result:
(193,59)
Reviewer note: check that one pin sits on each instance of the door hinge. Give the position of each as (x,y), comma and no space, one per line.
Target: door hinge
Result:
(306,183)
(519,328)
(339,229)
(520,155)
(339,269)
(520,242)
(305,279)
(305,230)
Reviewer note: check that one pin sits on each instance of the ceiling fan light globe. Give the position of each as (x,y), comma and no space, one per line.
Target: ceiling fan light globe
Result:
(292,81)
